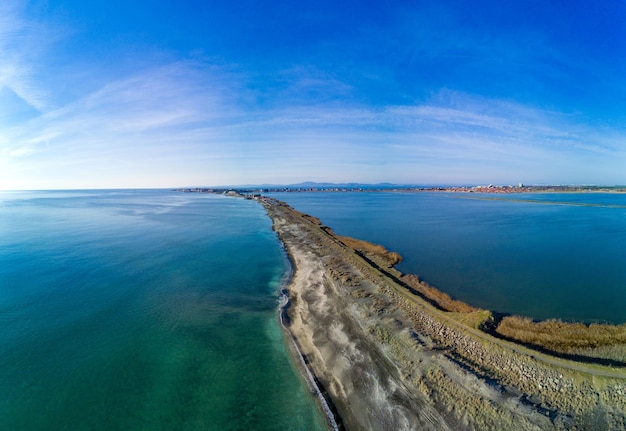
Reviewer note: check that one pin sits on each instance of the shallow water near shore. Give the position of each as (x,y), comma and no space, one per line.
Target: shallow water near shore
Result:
(143,310)
(541,255)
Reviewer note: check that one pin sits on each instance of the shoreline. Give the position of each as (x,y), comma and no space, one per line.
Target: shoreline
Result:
(388,358)
(324,401)
(488,189)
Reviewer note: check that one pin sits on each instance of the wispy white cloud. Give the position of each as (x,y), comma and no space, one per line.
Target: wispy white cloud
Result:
(22,42)
(486,137)
(154,119)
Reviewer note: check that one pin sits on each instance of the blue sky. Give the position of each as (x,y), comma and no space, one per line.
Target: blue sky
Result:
(168,93)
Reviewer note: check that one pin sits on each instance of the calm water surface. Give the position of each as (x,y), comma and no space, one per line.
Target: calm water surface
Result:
(540,255)
(143,310)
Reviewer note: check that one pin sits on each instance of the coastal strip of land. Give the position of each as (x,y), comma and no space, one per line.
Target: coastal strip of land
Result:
(389,356)
(479,189)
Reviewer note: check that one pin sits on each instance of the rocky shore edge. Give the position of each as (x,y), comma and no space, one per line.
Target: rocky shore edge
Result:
(389,359)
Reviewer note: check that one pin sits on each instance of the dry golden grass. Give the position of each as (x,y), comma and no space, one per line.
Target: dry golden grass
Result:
(441,299)
(563,337)
(380,254)
(390,257)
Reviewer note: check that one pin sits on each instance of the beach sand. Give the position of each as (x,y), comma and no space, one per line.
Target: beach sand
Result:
(390,361)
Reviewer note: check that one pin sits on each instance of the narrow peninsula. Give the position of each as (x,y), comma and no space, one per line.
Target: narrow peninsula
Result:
(391,353)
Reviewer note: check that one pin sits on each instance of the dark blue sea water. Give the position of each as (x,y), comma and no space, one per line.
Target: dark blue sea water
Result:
(540,255)
(143,310)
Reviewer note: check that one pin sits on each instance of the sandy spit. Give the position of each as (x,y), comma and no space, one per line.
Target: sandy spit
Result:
(390,361)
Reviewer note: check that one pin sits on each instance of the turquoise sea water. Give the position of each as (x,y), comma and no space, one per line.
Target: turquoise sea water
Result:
(143,310)
(540,255)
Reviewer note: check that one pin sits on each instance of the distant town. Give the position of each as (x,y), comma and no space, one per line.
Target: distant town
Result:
(251,191)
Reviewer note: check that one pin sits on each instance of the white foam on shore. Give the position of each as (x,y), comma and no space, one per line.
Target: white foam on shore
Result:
(310,378)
